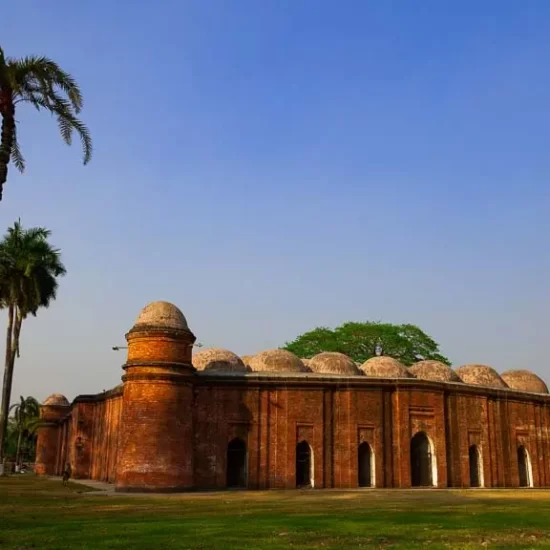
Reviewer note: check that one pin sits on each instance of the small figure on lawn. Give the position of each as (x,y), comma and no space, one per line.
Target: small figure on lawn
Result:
(67,474)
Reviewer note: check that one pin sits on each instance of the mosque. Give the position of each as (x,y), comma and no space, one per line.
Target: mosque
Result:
(212,420)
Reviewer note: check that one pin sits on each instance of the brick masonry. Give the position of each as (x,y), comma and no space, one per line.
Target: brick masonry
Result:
(167,427)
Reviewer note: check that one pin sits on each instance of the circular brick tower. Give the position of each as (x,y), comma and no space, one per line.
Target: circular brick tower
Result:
(155,447)
(48,443)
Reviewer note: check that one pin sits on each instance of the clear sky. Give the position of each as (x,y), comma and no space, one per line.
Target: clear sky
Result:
(274,165)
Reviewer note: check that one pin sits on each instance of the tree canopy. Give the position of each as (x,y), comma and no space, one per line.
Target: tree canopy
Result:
(29,268)
(43,84)
(21,434)
(361,341)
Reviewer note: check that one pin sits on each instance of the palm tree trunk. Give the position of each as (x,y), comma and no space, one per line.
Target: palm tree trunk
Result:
(16,333)
(18,451)
(7,111)
(8,377)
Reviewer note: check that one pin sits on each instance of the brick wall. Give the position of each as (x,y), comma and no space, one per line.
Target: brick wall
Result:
(171,432)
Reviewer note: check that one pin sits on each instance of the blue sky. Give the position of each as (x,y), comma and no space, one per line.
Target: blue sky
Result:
(272,166)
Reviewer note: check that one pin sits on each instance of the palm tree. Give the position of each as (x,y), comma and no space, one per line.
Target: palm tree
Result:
(40,82)
(29,267)
(26,415)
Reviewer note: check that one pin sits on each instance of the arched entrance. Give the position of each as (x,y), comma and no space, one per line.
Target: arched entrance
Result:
(236,463)
(365,462)
(422,466)
(304,465)
(476,473)
(524,467)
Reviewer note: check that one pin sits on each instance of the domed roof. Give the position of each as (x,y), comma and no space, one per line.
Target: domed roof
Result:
(331,362)
(385,367)
(276,360)
(162,315)
(218,360)
(56,399)
(480,375)
(434,370)
(524,380)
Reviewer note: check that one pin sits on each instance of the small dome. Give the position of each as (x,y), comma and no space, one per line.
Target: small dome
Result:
(162,315)
(434,370)
(524,380)
(333,363)
(480,375)
(276,360)
(385,367)
(56,399)
(218,360)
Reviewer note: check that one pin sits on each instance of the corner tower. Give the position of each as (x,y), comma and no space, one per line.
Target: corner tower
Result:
(155,449)
(49,441)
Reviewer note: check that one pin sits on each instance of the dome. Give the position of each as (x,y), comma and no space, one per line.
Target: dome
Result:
(524,380)
(480,375)
(276,360)
(333,363)
(434,370)
(162,315)
(218,360)
(385,367)
(56,399)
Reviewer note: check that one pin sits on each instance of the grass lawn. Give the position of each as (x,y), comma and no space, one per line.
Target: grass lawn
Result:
(38,513)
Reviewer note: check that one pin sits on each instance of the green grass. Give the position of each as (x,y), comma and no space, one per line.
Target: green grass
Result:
(38,513)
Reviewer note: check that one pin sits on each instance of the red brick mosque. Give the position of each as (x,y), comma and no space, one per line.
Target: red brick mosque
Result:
(214,420)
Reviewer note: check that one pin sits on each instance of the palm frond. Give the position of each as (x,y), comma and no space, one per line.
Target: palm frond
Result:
(16,155)
(68,123)
(41,82)
(48,74)
(29,267)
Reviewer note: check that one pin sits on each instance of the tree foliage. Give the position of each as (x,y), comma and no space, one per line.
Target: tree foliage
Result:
(43,84)
(361,341)
(21,439)
(29,268)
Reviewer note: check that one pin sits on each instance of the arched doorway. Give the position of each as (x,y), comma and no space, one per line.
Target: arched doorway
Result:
(422,467)
(365,462)
(236,463)
(304,465)
(524,467)
(476,472)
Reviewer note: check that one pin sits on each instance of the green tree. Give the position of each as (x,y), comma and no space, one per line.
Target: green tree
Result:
(26,414)
(29,268)
(361,341)
(10,445)
(40,82)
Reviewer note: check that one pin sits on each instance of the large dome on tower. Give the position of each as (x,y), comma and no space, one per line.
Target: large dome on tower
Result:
(161,315)
(57,400)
